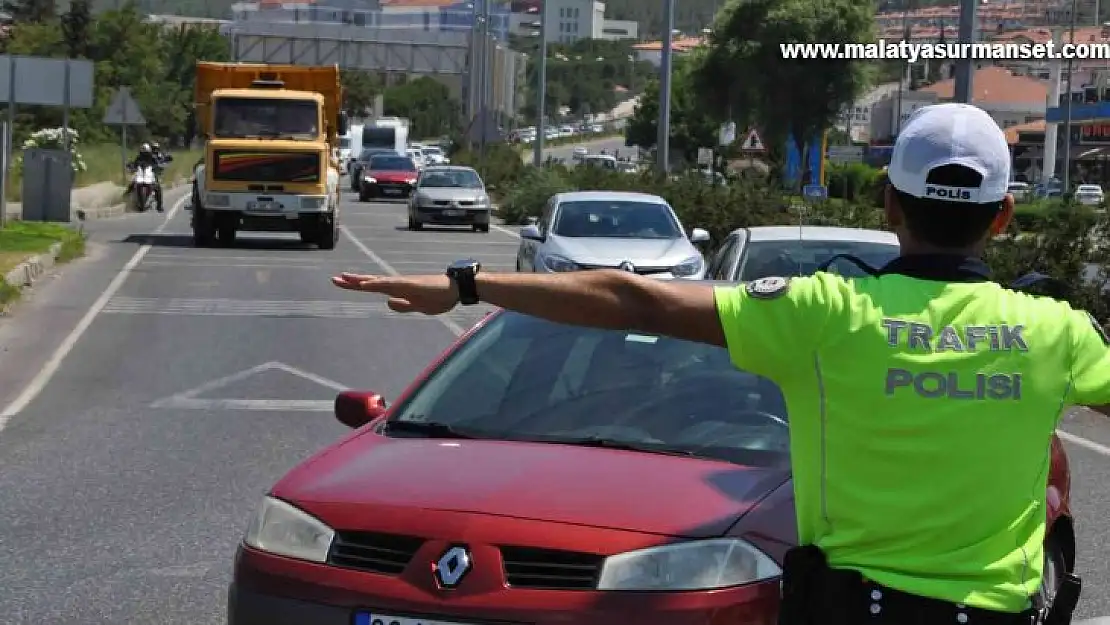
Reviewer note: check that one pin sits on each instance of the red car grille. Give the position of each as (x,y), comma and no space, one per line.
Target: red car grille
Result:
(529,567)
(388,554)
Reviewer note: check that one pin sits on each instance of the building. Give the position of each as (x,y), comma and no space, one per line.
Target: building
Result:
(424,15)
(178,21)
(652,51)
(568,21)
(1010,99)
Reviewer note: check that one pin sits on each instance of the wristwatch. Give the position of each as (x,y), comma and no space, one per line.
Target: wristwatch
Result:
(463,273)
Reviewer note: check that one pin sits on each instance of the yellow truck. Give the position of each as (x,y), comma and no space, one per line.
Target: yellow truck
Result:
(271,132)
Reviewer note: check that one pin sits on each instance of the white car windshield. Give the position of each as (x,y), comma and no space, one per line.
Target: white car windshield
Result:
(616,219)
(458,179)
(802,258)
(522,378)
(1089,188)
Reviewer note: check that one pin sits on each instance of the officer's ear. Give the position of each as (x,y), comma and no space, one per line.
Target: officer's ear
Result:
(894,217)
(1005,215)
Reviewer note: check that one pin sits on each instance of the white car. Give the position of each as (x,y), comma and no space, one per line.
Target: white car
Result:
(635,232)
(434,155)
(1089,194)
(765,251)
(416,156)
(579,153)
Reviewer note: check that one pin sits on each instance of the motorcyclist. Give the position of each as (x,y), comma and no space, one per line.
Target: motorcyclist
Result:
(156,149)
(148,158)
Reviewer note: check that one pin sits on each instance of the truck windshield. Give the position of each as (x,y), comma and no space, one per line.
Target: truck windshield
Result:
(379,138)
(263,117)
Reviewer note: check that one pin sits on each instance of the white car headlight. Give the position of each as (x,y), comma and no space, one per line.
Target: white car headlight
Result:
(688,267)
(698,565)
(312,203)
(284,530)
(559,264)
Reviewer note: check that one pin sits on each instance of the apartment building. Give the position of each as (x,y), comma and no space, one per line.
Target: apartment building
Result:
(570,20)
(425,15)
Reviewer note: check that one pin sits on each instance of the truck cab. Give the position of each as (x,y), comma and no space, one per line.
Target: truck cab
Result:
(269,163)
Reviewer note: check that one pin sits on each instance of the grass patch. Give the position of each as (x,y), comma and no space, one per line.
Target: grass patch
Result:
(103,164)
(19,240)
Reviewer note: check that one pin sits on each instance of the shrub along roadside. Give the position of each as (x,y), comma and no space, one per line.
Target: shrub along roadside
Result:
(19,240)
(1052,237)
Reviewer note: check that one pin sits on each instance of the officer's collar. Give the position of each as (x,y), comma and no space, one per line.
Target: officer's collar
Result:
(940,267)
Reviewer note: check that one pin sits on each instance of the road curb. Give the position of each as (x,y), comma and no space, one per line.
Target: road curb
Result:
(120,209)
(27,272)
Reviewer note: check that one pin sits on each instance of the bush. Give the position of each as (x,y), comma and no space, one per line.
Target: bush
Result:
(500,166)
(853,181)
(54,139)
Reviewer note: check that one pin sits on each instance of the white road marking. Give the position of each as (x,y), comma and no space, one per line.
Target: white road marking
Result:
(502,230)
(451,325)
(223,307)
(1082,442)
(190,400)
(42,378)
(450,253)
(185,258)
(443,241)
(159,263)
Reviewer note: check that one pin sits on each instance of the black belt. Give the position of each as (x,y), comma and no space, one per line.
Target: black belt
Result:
(889,606)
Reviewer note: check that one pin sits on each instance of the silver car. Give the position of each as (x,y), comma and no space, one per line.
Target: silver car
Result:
(752,253)
(608,229)
(450,195)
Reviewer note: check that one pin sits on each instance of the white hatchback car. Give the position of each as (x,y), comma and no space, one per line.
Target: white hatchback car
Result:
(635,232)
(1089,194)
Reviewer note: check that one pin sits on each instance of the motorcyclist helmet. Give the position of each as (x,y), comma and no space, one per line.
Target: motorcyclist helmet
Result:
(144,148)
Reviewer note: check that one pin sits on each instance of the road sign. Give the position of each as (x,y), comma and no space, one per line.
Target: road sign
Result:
(123,110)
(845,153)
(815,192)
(752,142)
(43,81)
(727,134)
(705,156)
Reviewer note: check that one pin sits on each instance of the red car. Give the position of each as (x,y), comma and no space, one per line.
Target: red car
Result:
(552,475)
(388,176)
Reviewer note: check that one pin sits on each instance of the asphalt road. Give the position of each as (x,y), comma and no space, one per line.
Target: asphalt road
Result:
(200,376)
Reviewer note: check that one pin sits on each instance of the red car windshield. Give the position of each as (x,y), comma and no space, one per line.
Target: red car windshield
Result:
(391,163)
(522,378)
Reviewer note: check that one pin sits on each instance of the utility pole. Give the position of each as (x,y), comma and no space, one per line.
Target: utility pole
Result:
(964,66)
(1067,110)
(663,141)
(902,75)
(483,77)
(541,89)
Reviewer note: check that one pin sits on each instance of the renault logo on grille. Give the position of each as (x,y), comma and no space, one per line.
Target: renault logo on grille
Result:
(452,566)
(627,266)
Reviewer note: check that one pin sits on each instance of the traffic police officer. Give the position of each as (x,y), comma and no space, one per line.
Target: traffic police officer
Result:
(922,400)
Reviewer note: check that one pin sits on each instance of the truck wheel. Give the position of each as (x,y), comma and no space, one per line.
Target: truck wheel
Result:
(327,233)
(481,227)
(204,231)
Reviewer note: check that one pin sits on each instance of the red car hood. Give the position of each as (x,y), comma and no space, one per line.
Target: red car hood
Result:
(391,176)
(633,491)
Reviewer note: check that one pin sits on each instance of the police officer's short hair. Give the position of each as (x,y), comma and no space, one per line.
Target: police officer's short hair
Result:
(950,171)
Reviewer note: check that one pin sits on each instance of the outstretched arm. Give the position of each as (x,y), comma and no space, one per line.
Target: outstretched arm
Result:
(607,299)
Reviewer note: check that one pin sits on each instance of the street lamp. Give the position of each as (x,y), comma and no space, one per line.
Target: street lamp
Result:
(541,90)
(663,140)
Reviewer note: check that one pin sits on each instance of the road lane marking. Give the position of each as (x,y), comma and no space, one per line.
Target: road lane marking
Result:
(450,253)
(223,258)
(157,263)
(262,276)
(43,377)
(191,400)
(502,230)
(455,328)
(1083,442)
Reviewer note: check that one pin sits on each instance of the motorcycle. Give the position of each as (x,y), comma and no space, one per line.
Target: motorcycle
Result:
(143,183)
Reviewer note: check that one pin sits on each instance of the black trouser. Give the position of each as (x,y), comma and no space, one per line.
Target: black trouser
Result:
(814,594)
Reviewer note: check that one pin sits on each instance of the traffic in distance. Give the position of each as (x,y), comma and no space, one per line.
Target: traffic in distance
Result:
(533,472)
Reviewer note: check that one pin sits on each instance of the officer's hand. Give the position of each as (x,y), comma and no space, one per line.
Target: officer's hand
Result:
(431,295)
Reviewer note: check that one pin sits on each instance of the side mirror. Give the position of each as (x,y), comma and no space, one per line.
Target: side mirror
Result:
(532,233)
(698,235)
(343,123)
(355,409)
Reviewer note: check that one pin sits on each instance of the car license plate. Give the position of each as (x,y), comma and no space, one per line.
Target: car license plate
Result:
(263,206)
(389,191)
(453,213)
(366,618)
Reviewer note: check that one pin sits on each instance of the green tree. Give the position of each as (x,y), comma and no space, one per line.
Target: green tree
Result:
(182,48)
(427,104)
(359,89)
(743,70)
(76,25)
(691,125)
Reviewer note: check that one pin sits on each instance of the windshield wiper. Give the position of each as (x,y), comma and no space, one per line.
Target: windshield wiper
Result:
(609,443)
(430,429)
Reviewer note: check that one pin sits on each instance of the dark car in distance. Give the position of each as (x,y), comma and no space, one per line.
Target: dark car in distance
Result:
(387,176)
(547,474)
